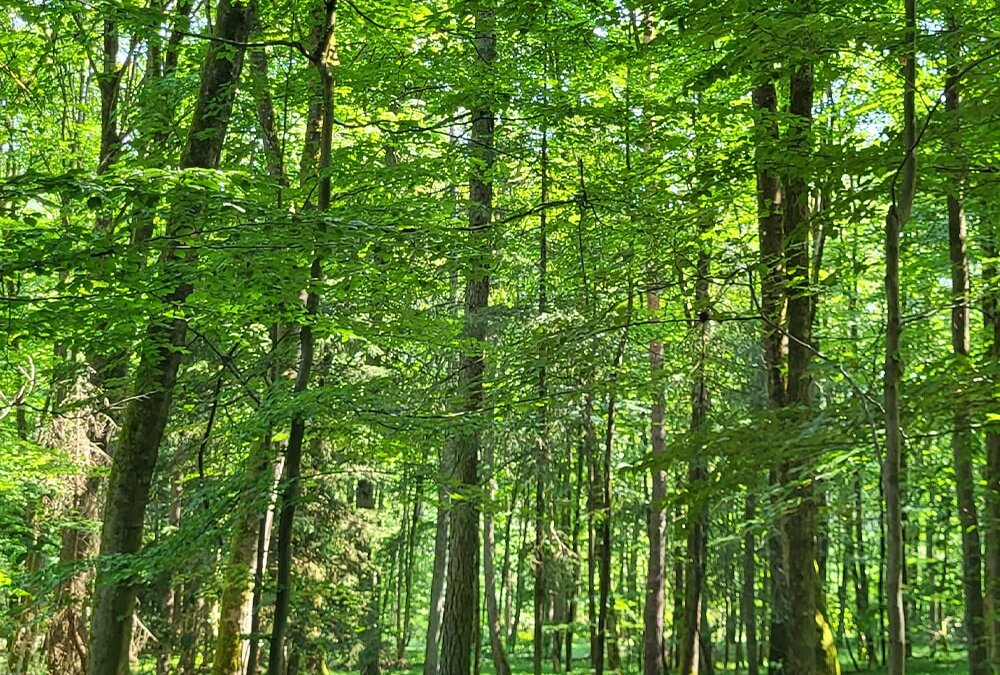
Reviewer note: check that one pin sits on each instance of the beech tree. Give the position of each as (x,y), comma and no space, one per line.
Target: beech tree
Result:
(482,337)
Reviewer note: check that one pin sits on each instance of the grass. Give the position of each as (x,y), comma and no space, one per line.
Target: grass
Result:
(951,663)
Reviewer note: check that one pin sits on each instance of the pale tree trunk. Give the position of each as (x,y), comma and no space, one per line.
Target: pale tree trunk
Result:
(439,574)
(501,665)
(252,649)
(897,216)
(238,571)
(460,616)
(749,610)
(232,654)
(862,587)
(653,658)
(146,415)
(961,436)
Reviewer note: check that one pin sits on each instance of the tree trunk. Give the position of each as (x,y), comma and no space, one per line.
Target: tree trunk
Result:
(500,664)
(440,572)
(369,662)
(146,415)
(653,610)
(862,589)
(961,436)
(697,521)
(322,58)
(895,219)
(991,522)
(542,449)
(238,573)
(749,582)
(603,484)
(460,615)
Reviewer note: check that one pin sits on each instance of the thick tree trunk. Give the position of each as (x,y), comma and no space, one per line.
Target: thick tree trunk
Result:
(961,437)
(810,645)
(460,616)
(653,609)
(895,219)
(146,415)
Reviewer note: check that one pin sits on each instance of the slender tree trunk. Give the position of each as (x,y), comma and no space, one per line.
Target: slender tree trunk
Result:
(991,522)
(440,572)
(460,615)
(603,526)
(501,666)
(322,58)
(895,219)
(260,568)
(653,610)
(542,450)
(146,415)
(961,437)
(749,579)
(697,522)
(369,662)
(862,588)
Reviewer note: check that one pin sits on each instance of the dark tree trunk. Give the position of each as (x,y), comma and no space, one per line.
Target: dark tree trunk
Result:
(460,616)
(897,216)
(322,58)
(961,437)
(146,415)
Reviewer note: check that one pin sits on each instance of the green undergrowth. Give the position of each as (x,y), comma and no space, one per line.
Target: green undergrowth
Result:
(951,663)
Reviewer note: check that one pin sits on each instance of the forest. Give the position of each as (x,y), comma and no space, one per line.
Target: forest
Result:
(441,337)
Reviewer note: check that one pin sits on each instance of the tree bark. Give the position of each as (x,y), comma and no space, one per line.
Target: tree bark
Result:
(697,521)
(501,665)
(961,436)
(991,522)
(146,415)
(897,216)
(440,572)
(862,587)
(542,449)
(323,59)
(460,614)
(653,609)
(749,582)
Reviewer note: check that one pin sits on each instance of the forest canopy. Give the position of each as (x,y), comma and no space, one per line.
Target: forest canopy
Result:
(474,336)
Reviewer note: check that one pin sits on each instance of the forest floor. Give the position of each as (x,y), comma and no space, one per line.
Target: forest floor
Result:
(951,663)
